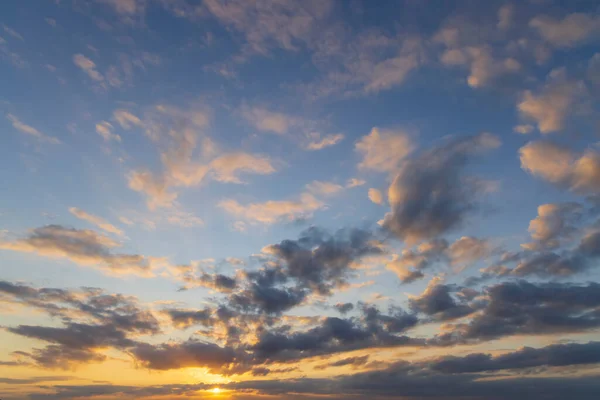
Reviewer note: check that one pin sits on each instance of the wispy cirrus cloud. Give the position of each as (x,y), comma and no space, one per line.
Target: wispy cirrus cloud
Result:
(30,130)
(95,220)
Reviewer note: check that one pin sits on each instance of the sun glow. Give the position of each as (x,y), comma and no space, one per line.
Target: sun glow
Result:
(216,390)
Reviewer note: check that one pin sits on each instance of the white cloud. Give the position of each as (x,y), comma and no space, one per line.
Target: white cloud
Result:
(188,157)
(324,188)
(375,196)
(552,105)
(12,32)
(354,182)
(572,30)
(30,130)
(505,16)
(267,25)
(83,247)
(95,220)
(273,211)
(483,66)
(559,165)
(382,150)
(88,66)
(523,129)
(327,141)
(227,167)
(268,121)
(391,72)
(126,119)
(104,129)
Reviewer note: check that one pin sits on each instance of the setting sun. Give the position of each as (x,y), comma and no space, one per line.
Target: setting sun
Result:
(216,390)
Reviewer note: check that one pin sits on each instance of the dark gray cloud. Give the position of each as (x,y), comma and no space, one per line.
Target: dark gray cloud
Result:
(352,361)
(344,308)
(527,357)
(186,318)
(82,246)
(221,360)
(110,320)
(321,262)
(525,308)
(35,379)
(430,195)
(438,303)
(334,335)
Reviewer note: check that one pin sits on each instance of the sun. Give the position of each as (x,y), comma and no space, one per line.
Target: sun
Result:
(216,390)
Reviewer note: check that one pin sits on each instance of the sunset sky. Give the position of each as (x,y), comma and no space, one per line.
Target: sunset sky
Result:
(312,199)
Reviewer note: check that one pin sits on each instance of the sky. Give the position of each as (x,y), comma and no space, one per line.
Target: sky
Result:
(319,199)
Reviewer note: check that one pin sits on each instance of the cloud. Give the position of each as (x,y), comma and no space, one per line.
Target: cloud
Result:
(126,119)
(95,220)
(505,16)
(155,189)
(182,167)
(104,129)
(562,166)
(344,308)
(382,150)
(12,32)
(354,182)
(429,196)
(411,265)
(84,247)
(87,66)
(375,196)
(324,188)
(273,211)
(334,335)
(126,7)
(484,68)
(226,167)
(468,250)
(436,302)
(398,379)
(552,106)
(555,355)
(572,30)
(184,355)
(523,129)
(327,141)
(354,362)
(523,308)
(30,130)
(391,72)
(554,223)
(268,121)
(285,25)
(110,319)
(321,262)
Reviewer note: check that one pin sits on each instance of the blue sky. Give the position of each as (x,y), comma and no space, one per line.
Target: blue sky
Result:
(379,154)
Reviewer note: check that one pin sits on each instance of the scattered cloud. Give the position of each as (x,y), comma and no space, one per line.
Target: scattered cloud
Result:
(95,220)
(87,66)
(273,211)
(84,247)
(268,121)
(30,130)
(429,196)
(382,150)
(105,129)
(326,141)
(553,105)
(562,166)
(572,30)
(375,196)
(321,188)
